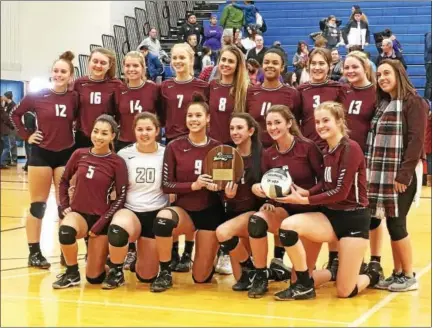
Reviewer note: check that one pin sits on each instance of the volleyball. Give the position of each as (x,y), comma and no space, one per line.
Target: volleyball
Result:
(276,183)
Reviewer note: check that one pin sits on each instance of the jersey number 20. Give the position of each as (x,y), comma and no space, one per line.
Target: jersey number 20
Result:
(145,175)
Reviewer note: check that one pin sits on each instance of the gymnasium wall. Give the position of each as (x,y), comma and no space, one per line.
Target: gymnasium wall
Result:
(34,33)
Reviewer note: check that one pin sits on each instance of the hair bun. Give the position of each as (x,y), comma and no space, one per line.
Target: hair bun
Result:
(67,55)
(198,97)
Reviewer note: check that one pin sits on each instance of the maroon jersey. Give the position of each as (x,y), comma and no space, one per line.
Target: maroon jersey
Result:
(344,183)
(360,105)
(312,95)
(96,98)
(244,200)
(303,160)
(183,163)
(221,106)
(260,99)
(96,175)
(131,101)
(55,115)
(176,96)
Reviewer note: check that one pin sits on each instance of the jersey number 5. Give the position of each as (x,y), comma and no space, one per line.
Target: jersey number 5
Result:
(90,172)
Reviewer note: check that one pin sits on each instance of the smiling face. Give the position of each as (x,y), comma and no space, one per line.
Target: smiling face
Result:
(99,65)
(354,70)
(319,69)
(277,126)
(239,131)
(102,135)
(133,68)
(60,74)
(386,78)
(326,125)
(272,66)
(197,118)
(145,132)
(181,61)
(227,64)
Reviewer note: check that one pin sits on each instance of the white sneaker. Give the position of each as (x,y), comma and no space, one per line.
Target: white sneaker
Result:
(224,266)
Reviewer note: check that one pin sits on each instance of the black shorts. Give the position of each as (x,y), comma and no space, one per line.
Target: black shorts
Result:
(81,140)
(299,209)
(355,224)
(146,220)
(121,144)
(43,157)
(91,220)
(209,218)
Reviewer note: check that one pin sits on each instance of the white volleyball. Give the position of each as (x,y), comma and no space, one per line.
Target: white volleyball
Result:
(276,183)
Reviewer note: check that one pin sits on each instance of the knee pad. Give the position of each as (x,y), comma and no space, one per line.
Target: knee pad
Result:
(37,209)
(60,212)
(67,235)
(375,223)
(98,280)
(257,227)
(354,292)
(147,281)
(163,227)
(288,238)
(207,280)
(117,236)
(229,245)
(396,228)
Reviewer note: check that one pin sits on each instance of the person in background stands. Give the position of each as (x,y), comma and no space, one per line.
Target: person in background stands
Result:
(232,17)
(6,127)
(336,66)
(154,46)
(389,53)
(357,31)
(258,52)
(191,27)
(154,67)
(12,155)
(212,35)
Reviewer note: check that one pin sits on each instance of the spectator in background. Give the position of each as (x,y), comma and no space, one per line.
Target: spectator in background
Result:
(372,64)
(227,37)
(396,45)
(232,17)
(6,128)
(320,42)
(250,12)
(154,66)
(12,155)
(198,53)
(238,41)
(389,53)
(300,59)
(357,30)
(336,65)
(290,79)
(154,46)
(191,27)
(254,70)
(355,8)
(206,59)
(258,52)
(332,33)
(213,34)
(428,67)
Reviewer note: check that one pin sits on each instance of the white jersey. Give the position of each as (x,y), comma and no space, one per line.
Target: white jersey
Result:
(145,179)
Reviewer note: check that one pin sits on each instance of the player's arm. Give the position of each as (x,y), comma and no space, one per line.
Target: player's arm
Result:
(27,104)
(68,173)
(169,183)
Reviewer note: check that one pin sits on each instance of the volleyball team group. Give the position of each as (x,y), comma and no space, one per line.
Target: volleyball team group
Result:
(352,151)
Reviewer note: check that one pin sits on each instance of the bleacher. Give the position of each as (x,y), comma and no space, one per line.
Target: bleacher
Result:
(287,21)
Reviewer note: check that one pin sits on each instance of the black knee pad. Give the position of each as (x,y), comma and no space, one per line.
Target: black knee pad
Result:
(207,280)
(98,280)
(257,227)
(117,236)
(397,228)
(229,245)
(147,281)
(354,292)
(37,209)
(288,238)
(163,227)
(375,223)
(67,235)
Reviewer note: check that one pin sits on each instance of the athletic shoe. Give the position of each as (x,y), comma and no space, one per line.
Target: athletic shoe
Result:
(114,279)
(260,285)
(363,268)
(163,282)
(37,260)
(296,291)
(131,258)
(404,283)
(281,271)
(224,265)
(66,280)
(245,281)
(385,283)
(175,259)
(373,272)
(333,268)
(185,263)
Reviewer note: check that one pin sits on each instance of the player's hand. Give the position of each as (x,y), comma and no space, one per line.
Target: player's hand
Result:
(172,198)
(267,207)
(301,191)
(231,189)
(258,191)
(201,182)
(399,187)
(293,198)
(35,138)
(66,211)
(212,187)
(91,234)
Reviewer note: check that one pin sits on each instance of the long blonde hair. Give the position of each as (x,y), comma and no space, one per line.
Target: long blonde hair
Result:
(365,62)
(190,52)
(241,80)
(137,55)
(337,111)
(111,73)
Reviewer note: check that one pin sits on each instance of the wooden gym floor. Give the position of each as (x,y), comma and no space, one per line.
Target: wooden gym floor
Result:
(27,298)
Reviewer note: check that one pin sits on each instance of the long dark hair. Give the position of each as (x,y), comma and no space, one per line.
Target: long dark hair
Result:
(253,175)
(105,118)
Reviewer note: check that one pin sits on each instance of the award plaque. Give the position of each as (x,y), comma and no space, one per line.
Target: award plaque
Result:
(224,164)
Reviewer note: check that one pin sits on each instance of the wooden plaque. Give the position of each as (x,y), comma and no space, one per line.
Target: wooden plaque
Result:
(224,164)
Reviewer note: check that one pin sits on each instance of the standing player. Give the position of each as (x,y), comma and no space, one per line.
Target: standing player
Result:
(345,215)
(272,92)
(97,169)
(52,145)
(96,93)
(240,202)
(227,93)
(360,105)
(144,200)
(197,206)
(304,161)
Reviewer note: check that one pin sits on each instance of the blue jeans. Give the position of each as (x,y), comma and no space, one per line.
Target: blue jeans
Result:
(13,150)
(6,149)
